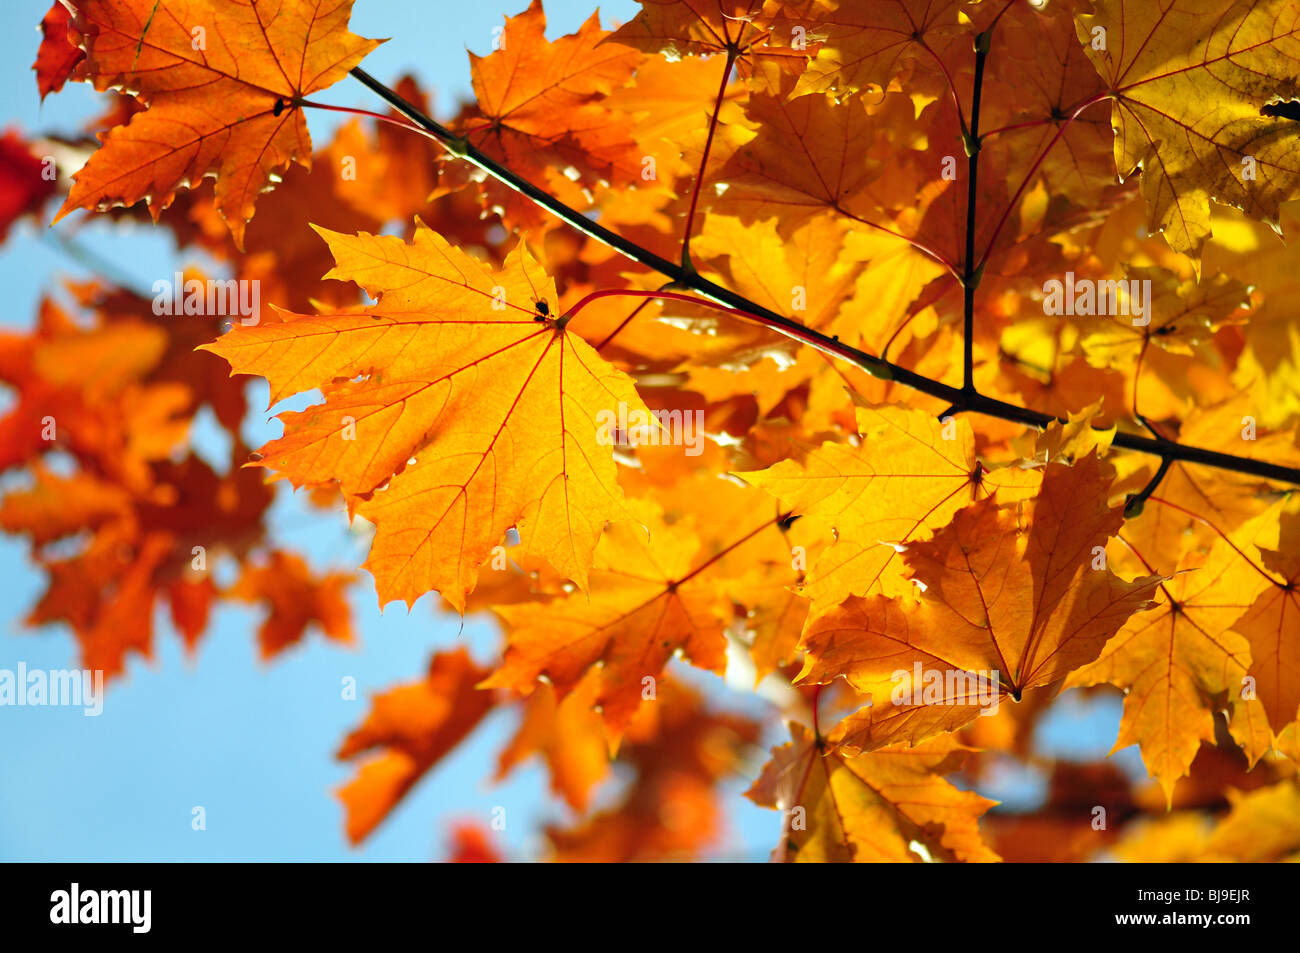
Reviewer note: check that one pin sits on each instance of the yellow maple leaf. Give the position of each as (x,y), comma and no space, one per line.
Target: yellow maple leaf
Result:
(1188,79)
(220,79)
(906,477)
(454,411)
(870,808)
(1014,597)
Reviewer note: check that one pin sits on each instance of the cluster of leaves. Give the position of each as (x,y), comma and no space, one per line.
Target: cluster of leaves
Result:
(911,463)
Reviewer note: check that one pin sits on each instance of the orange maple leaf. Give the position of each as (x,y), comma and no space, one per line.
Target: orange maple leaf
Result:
(471,844)
(568,734)
(455,409)
(870,808)
(221,80)
(746,29)
(678,749)
(413,726)
(1183,660)
(23,185)
(1272,626)
(57,55)
(860,45)
(1183,54)
(295,598)
(1013,598)
(909,474)
(540,106)
(645,604)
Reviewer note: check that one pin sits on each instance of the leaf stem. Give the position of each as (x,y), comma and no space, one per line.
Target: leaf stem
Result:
(918,245)
(401,121)
(733,546)
(624,323)
(1136,502)
(704,160)
(1006,212)
(1222,535)
(799,333)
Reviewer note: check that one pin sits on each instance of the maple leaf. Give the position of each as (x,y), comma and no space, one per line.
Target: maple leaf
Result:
(121,391)
(405,174)
(752,32)
(281,253)
(1214,770)
(776,620)
(190,602)
(140,550)
(1036,89)
(811,155)
(413,726)
(865,45)
(1077,437)
(1272,627)
(766,269)
(296,598)
(1188,89)
(448,419)
(908,475)
(1261,827)
(568,734)
(677,749)
(57,55)
(540,106)
(1251,253)
(1180,659)
(24,186)
(471,844)
(689,27)
(1197,503)
(870,808)
(757,565)
(56,506)
(670,102)
(1177,838)
(1013,598)
(647,601)
(221,80)
(1189,312)
(117,514)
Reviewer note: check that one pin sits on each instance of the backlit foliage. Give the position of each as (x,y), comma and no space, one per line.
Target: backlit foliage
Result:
(945,376)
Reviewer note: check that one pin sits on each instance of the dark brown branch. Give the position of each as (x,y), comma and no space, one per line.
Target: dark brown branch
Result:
(967,402)
(971,273)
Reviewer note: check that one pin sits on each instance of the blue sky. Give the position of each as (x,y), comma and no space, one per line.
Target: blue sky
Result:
(252,743)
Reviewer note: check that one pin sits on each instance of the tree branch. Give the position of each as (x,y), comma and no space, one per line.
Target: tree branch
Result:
(971,273)
(885,370)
